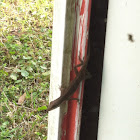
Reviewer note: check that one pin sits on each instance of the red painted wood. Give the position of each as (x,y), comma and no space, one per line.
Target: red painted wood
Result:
(71,120)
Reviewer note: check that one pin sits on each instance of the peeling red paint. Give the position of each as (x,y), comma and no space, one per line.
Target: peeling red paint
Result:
(82,7)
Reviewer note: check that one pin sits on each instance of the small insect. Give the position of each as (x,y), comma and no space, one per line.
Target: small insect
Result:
(130,38)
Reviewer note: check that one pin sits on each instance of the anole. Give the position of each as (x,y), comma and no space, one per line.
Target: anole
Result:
(69,91)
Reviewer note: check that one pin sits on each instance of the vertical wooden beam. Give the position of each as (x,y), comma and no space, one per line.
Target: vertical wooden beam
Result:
(72,118)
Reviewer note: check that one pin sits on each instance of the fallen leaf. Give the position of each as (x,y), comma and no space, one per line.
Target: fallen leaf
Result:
(22,99)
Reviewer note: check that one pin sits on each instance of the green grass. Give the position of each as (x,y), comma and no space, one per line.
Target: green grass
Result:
(25,52)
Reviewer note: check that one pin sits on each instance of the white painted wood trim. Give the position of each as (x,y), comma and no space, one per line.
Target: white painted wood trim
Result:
(56,65)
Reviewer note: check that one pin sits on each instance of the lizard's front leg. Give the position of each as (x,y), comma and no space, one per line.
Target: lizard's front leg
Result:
(79,65)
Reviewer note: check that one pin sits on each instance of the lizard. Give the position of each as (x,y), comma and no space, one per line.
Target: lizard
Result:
(70,90)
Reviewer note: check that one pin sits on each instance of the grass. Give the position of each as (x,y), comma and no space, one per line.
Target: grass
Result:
(25,52)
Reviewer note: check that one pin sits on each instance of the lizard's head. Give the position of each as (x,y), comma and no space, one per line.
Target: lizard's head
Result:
(51,106)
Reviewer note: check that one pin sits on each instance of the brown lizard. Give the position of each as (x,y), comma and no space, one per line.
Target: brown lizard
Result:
(69,91)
